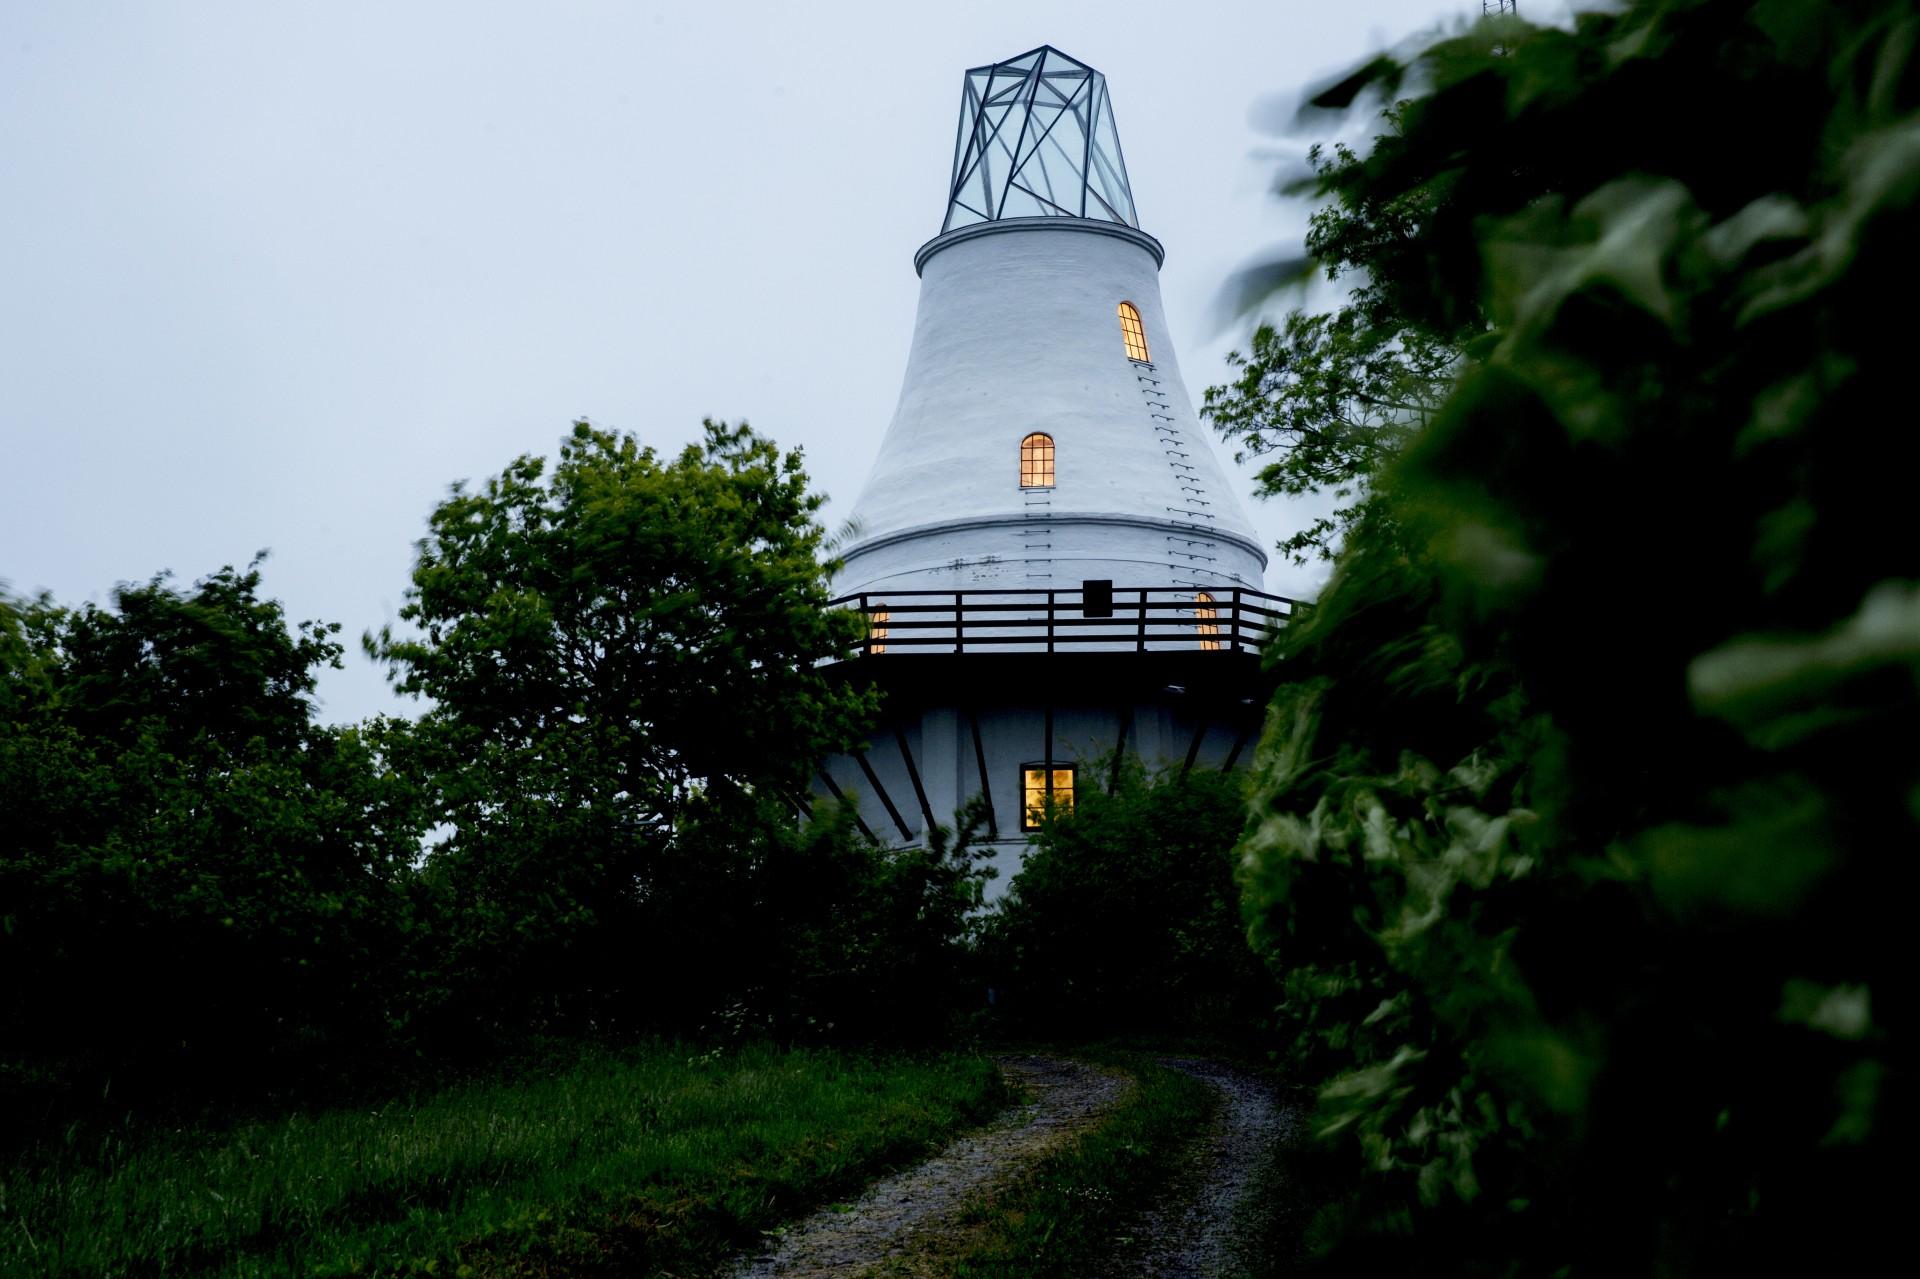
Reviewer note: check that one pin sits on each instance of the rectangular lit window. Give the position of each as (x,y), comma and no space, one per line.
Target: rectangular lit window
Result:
(877,629)
(1033,793)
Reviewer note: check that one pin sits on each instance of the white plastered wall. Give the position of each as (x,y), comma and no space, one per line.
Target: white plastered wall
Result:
(1018,331)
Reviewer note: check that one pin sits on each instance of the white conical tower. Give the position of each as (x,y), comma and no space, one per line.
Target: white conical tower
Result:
(1056,572)
(1040,315)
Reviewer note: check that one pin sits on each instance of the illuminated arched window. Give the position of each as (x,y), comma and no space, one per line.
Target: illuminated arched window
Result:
(877,620)
(1134,333)
(1204,615)
(1036,461)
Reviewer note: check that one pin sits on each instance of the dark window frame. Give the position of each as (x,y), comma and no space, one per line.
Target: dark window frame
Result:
(1072,790)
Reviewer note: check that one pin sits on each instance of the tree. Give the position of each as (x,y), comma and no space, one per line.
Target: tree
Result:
(1335,397)
(602,646)
(1579,827)
(196,880)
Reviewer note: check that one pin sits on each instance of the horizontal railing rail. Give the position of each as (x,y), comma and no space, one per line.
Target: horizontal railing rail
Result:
(1095,617)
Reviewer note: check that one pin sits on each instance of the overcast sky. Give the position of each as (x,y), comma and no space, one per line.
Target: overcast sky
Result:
(273,274)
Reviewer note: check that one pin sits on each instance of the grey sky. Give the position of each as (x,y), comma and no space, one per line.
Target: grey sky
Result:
(273,275)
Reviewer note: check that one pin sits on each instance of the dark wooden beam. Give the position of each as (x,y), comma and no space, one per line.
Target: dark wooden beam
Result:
(986,783)
(900,823)
(1239,744)
(913,774)
(1193,751)
(1120,746)
(835,791)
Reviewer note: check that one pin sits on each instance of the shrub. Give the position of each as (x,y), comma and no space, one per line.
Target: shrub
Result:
(1580,827)
(1125,917)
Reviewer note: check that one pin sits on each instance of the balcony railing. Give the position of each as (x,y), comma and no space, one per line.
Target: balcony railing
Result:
(1094,617)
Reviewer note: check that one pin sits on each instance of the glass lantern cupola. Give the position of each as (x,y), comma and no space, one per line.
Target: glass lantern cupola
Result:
(1037,139)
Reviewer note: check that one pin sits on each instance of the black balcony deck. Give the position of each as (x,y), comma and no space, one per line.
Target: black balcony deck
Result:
(1080,619)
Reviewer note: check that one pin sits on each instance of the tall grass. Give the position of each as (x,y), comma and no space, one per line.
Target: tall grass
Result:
(639,1160)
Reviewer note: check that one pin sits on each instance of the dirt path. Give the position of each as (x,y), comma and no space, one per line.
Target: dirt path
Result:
(1067,1097)
(1192,1234)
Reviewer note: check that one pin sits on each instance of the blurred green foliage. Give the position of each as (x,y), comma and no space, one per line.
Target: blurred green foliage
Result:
(1583,822)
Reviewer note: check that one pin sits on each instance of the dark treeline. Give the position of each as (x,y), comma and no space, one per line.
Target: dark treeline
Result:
(589,830)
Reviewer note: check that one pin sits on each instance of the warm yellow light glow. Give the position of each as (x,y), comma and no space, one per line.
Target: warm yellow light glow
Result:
(1204,614)
(1036,461)
(877,629)
(1033,795)
(1133,332)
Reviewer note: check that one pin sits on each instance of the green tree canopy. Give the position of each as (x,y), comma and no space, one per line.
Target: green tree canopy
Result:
(602,644)
(195,877)
(664,619)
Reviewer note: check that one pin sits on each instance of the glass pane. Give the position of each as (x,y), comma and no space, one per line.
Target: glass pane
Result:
(1034,798)
(1036,461)
(1036,138)
(1022,203)
(1204,624)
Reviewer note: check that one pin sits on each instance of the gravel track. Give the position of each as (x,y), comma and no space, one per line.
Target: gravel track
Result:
(1067,1098)
(1193,1233)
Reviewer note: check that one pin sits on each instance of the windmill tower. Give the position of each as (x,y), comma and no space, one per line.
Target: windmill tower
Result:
(1054,566)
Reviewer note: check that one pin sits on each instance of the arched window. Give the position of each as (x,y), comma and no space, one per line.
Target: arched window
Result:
(1133,332)
(1036,461)
(877,620)
(1204,615)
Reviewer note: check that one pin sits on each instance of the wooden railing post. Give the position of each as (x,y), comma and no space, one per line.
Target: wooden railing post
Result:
(1141,645)
(1236,621)
(959,622)
(1049,621)
(866,640)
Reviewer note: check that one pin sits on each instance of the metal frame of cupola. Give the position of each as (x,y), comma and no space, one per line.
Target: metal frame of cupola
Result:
(1055,569)
(1037,138)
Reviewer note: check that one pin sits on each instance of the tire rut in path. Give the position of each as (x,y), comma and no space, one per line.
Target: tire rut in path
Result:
(1067,1098)
(1194,1233)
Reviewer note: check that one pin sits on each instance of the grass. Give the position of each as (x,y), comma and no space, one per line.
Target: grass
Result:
(1065,1217)
(644,1161)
